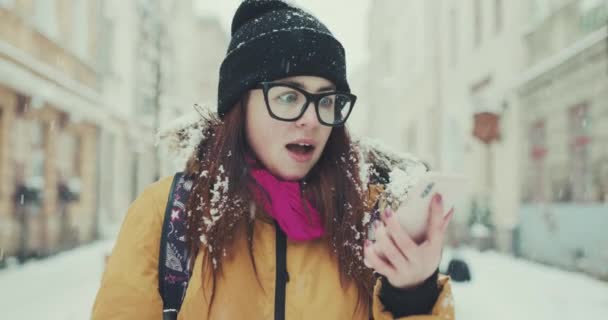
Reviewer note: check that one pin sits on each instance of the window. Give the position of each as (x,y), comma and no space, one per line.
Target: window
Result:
(601,179)
(2,135)
(538,153)
(540,10)
(477,22)
(106,48)
(580,162)
(27,136)
(593,14)
(134,175)
(7,4)
(78,156)
(419,40)
(412,139)
(69,154)
(453,36)
(586,5)
(498,15)
(388,56)
(45,18)
(80,28)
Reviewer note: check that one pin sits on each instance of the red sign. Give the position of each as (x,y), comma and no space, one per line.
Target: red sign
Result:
(487,127)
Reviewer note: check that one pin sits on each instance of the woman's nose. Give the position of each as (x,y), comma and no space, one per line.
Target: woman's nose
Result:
(309,118)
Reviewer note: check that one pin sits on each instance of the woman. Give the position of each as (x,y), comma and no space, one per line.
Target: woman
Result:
(276,162)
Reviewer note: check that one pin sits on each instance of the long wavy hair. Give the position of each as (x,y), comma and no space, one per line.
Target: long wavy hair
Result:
(219,204)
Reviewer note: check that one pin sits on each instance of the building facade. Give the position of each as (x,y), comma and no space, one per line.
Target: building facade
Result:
(565,155)
(448,60)
(540,66)
(84,85)
(50,121)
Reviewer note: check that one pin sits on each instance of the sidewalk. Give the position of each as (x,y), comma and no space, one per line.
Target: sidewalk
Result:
(63,287)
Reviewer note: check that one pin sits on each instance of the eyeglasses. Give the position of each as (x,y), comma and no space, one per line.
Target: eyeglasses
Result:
(287,102)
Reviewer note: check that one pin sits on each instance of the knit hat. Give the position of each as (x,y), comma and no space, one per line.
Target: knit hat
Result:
(271,40)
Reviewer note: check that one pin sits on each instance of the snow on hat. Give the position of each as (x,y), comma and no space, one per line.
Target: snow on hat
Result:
(272,39)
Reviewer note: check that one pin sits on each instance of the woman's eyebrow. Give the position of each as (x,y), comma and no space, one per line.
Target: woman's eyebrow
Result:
(301,86)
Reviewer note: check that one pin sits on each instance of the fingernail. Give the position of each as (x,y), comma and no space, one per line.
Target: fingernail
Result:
(388,212)
(438,199)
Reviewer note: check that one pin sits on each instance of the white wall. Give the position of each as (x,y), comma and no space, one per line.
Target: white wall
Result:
(422,70)
(499,57)
(125,137)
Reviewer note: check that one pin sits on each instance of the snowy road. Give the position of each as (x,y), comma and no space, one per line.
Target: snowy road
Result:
(63,288)
(507,288)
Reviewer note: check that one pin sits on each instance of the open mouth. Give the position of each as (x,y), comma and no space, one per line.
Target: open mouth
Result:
(300,148)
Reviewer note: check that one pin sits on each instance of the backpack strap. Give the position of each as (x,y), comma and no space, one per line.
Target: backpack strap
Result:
(281,275)
(174,261)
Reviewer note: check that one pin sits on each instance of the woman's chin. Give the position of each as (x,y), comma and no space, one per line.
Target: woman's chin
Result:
(290,170)
(291,174)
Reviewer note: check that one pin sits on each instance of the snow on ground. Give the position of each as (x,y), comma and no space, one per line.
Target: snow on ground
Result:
(63,287)
(504,287)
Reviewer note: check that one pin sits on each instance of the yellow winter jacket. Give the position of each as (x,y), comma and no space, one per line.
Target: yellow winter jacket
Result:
(129,288)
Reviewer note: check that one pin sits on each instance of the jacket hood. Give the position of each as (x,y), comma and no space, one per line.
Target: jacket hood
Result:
(380,164)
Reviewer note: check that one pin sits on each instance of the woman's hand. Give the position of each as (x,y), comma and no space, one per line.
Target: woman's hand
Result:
(396,256)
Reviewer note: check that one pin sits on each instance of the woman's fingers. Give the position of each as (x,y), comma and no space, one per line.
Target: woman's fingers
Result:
(395,231)
(374,261)
(446,220)
(436,219)
(385,247)
(397,256)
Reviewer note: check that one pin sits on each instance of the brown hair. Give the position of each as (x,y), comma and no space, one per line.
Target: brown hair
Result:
(219,202)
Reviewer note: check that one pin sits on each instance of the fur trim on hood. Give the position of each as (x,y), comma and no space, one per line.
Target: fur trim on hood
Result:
(379,164)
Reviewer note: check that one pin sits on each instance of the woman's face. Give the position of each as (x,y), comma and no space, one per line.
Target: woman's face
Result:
(287,149)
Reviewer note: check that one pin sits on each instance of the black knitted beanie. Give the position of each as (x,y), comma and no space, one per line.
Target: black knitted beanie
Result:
(272,39)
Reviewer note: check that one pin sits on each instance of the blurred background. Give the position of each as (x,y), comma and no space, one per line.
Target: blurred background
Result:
(513,94)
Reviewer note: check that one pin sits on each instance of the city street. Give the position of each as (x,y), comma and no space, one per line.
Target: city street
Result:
(63,288)
(308,113)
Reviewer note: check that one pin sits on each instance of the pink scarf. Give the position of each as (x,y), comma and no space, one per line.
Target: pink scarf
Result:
(284,203)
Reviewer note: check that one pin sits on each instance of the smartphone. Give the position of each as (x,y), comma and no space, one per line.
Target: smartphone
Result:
(413,211)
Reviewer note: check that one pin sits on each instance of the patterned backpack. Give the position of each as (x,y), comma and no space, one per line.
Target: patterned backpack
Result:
(175,262)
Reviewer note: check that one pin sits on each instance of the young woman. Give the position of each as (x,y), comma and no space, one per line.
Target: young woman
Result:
(278,203)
